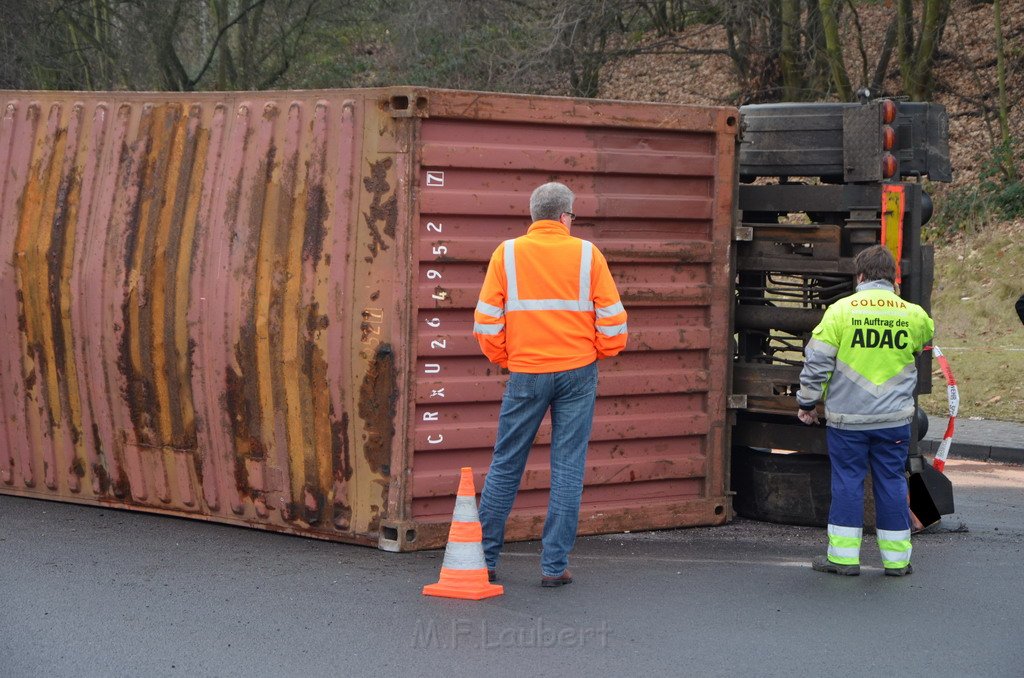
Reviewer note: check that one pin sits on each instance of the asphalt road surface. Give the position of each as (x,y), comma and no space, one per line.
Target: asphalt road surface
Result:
(98,592)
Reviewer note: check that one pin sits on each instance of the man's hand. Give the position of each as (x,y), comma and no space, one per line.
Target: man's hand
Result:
(807,416)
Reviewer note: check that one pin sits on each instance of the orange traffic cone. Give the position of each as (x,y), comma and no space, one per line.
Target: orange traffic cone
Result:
(464,572)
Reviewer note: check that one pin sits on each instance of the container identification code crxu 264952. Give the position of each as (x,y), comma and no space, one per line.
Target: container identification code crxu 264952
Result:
(440,341)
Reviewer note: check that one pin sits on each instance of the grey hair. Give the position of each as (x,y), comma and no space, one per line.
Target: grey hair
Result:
(550,201)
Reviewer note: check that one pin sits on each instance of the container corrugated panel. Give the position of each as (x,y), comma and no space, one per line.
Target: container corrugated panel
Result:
(255,308)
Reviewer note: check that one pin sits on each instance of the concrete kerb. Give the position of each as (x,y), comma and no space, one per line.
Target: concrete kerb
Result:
(979,439)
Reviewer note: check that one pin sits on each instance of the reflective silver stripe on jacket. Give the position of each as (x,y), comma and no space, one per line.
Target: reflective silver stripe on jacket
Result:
(821,347)
(899,381)
(819,361)
(612,330)
(609,311)
(549,305)
(497,328)
(586,258)
(856,402)
(464,556)
(902,416)
(510,271)
(513,303)
(487,309)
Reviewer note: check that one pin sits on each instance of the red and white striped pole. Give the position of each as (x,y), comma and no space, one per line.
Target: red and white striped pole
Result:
(953,394)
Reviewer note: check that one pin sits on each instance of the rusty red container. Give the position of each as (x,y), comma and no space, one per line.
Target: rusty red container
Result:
(256,308)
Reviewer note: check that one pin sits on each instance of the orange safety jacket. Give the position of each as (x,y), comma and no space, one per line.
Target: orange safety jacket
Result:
(548,303)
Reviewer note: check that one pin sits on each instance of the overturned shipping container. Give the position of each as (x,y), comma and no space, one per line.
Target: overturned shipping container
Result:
(256,308)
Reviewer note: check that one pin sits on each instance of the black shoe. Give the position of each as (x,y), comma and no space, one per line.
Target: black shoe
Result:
(823,564)
(560,580)
(492,575)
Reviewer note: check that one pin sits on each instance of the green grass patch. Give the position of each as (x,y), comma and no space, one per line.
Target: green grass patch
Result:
(997,195)
(978,277)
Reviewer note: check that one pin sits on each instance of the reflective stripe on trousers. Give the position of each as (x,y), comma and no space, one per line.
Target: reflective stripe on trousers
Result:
(895,547)
(844,544)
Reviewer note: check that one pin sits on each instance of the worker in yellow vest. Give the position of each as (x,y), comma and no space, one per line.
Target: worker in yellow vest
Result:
(860,362)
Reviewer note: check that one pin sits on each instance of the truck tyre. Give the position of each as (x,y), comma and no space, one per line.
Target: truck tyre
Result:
(793,489)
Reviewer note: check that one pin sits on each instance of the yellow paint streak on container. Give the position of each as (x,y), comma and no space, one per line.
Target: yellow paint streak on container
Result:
(298,441)
(33,243)
(265,271)
(319,419)
(74,197)
(183,276)
(160,274)
(135,274)
(161,278)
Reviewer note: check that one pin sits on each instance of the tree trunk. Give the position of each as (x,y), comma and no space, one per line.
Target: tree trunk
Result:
(821,71)
(829,18)
(905,42)
(1006,151)
(878,80)
(789,52)
(916,61)
(935,12)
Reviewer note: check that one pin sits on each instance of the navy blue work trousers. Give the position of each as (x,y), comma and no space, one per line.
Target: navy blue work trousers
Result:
(885,452)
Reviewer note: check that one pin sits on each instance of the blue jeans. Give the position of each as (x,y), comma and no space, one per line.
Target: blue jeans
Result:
(885,451)
(570,395)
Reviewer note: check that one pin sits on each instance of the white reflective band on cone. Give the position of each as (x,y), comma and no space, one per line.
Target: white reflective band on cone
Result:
(464,556)
(465,510)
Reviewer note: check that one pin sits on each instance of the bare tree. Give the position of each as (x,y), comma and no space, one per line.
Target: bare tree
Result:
(163,44)
(754,34)
(789,50)
(917,51)
(253,42)
(1008,162)
(834,47)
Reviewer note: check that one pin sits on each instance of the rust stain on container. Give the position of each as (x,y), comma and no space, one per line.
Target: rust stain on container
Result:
(256,308)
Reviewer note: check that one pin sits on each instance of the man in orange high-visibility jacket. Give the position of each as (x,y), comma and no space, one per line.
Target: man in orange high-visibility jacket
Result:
(548,311)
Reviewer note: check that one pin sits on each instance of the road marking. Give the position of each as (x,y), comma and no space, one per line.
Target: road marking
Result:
(687,561)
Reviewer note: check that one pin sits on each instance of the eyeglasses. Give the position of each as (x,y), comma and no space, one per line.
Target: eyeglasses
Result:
(569,214)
